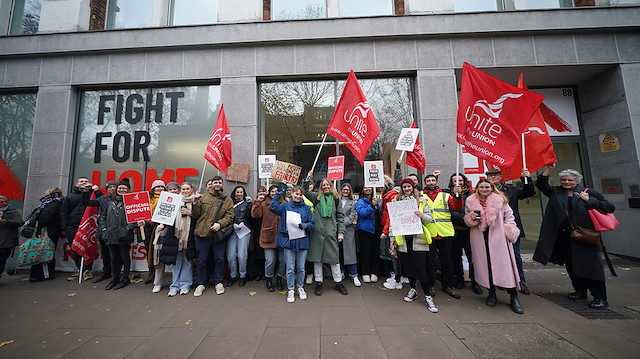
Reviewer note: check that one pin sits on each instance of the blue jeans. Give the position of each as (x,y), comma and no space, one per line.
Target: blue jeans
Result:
(182,277)
(516,251)
(295,264)
(237,252)
(271,255)
(351,269)
(203,247)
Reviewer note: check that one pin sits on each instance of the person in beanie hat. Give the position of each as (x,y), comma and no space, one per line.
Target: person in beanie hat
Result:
(157,187)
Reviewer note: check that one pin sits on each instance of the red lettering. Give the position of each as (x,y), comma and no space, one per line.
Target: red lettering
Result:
(152,175)
(136,186)
(182,173)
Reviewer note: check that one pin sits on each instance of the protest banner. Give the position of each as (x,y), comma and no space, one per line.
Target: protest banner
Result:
(335,171)
(238,172)
(402,217)
(265,165)
(137,206)
(167,208)
(286,172)
(373,174)
(407,139)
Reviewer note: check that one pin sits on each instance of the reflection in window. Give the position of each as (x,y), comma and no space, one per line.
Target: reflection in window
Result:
(298,9)
(192,12)
(16,130)
(26,17)
(295,116)
(123,14)
(366,7)
(542,4)
(476,5)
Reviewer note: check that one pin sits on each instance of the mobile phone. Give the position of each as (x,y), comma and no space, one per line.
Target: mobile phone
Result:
(478,214)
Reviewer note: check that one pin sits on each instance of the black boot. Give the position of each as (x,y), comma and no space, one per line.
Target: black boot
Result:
(151,277)
(112,284)
(515,303)
(123,283)
(340,288)
(230,282)
(260,276)
(279,284)
(242,282)
(475,287)
(318,290)
(492,300)
(269,285)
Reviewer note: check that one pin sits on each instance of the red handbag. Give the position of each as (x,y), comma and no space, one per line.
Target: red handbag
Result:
(603,221)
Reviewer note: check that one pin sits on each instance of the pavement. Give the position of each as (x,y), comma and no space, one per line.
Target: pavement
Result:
(61,319)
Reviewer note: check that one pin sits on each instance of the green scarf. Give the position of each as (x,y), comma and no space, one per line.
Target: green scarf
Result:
(326,204)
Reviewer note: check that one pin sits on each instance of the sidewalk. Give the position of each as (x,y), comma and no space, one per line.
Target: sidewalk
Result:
(61,319)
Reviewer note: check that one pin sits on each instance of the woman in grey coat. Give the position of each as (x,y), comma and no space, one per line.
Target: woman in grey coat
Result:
(349,257)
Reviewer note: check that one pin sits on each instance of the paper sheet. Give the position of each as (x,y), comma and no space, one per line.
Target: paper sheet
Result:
(242,231)
(293,220)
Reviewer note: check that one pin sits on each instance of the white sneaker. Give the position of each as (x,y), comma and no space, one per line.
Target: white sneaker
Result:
(219,288)
(429,302)
(302,294)
(291,296)
(390,279)
(184,291)
(198,291)
(172,293)
(411,295)
(156,289)
(356,282)
(366,278)
(309,279)
(374,278)
(392,284)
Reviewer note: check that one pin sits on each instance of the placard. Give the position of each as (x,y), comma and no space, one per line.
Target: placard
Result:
(335,172)
(407,139)
(286,172)
(402,217)
(137,206)
(265,165)
(373,174)
(167,208)
(238,172)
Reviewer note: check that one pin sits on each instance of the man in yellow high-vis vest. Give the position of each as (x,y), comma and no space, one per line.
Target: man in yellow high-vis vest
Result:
(441,230)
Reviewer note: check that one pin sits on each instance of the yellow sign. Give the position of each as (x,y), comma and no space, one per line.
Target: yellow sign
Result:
(608,143)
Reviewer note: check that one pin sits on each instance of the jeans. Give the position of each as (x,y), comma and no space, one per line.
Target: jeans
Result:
(237,252)
(351,269)
(271,255)
(182,277)
(516,252)
(204,246)
(295,264)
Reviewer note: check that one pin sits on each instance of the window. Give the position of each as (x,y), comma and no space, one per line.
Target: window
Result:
(26,17)
(192,12)
(298,9)
(123,14)
(365,7)
(17,113)
(295,116)
(145,133)
(542,4)
(477,5)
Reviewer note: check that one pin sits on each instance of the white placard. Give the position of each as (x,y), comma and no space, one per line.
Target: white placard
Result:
(242,231)
(293,220)
(373,174)
(407,139)
(265,165)
(403,219)
(167,208)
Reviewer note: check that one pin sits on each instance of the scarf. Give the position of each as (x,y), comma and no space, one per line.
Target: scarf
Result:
(44,201)
(183,223)
(326,204)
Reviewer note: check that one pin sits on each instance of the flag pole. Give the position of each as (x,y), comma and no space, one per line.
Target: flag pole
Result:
(401,155)
(204,166)
(81,270)
(524,159)
(318,154)
(457,160)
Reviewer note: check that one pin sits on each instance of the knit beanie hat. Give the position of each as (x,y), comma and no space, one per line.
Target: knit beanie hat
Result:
(112,183)
(173,185)
(157,183)
(409,181)
(125,182)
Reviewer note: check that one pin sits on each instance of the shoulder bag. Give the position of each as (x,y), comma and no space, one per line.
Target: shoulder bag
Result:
(36,250)
(225,232)
(602,221)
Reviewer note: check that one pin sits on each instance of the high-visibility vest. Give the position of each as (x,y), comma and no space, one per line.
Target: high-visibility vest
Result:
(441,225)
(308,202)
(425,231)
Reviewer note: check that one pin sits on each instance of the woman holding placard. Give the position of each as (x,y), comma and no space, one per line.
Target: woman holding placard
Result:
(368,213)
(268,235)
(238,243)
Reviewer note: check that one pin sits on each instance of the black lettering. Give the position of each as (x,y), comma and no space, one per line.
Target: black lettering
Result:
(130,110)
(126,150)
(99,146)
(119,105)
(103,108)
(156,108)
(141,141)
(174,96)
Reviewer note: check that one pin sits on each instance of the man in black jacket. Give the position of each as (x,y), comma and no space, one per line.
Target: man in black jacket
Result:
(514,194)
(71,214)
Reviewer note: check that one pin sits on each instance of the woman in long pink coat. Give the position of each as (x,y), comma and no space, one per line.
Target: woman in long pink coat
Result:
(493,232)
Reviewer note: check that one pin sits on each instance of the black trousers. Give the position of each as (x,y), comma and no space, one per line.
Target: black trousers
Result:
(120,258)
(369,252)
(106,257)
(461,240)
(444,247)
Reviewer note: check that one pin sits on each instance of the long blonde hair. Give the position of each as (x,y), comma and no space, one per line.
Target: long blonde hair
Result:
(332,189)
(494,189)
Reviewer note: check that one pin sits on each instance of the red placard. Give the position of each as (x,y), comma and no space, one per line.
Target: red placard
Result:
(137,206)
(336,168)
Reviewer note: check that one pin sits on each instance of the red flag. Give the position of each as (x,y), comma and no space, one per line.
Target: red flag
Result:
(538,147)
(416,158)
(491,116)
(353,122)
(10,185)
(218,151)
(84,243)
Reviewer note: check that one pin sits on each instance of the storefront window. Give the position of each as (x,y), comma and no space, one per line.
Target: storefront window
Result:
(298,9)
(145,134)
(366,7)
(296,115)
(26,17)
(477,5)
(193,12)
(17,113)
(123,14)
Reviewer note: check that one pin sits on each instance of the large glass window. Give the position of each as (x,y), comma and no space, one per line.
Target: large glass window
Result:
(296,115)
(477,5)
(145,134)
(123,14)
(298,9)
(193,12)
(542,4)
(26,17)
(366,7)
(17,113)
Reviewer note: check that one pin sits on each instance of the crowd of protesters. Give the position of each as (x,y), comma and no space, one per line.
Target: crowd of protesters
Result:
(336,235)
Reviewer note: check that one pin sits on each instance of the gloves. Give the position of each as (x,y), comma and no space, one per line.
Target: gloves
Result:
(302,226)
(279,191)
(237,226)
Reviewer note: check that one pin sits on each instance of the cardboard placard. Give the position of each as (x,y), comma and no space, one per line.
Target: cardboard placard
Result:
(403,220)
(137,206)
(407,139)
(286,172)
(238,172)
(265,165)
(373,174)
(335,172)
(167,208)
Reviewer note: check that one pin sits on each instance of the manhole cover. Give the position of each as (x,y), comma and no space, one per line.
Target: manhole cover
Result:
(506,340)
(582,307)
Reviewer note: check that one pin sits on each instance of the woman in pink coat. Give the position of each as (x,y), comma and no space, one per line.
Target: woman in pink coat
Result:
(493,230)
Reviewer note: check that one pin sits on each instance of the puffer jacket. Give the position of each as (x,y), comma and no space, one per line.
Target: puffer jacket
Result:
(205,210)
(113,222)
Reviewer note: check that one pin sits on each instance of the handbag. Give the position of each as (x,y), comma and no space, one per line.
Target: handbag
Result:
(224,232)
(586,236)
(36,250)
(603,221)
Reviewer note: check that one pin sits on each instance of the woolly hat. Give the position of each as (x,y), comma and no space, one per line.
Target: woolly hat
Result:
(158,183)
(173,185)
(112,183)
(125,182)
(409,181)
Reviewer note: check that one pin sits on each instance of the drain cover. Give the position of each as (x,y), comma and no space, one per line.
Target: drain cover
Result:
(582,307)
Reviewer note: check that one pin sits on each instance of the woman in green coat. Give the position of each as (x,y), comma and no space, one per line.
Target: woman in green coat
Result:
(327,233)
